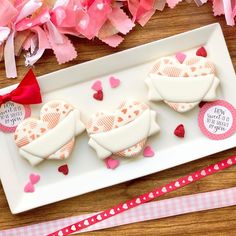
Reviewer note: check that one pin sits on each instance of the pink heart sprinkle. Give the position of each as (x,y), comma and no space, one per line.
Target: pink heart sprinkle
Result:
(114,82)
(180,57)
(97,85)
(34,178)
(112,163)
(148,152)
(29,188)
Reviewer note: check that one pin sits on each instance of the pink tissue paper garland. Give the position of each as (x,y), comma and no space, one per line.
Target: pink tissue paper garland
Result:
(137,201)
(34,25)
(148,211)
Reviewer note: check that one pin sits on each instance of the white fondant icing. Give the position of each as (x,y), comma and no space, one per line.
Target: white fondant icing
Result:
(123,137)
(154,127)
(211,94)
(53,140)
(33,160)
(119,139)
(102,153)
(153,95)
(181,89)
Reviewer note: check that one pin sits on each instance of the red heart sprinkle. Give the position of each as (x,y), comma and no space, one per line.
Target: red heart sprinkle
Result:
(64,169)
(201,52)
(201,104)
(179,131)
(98,95)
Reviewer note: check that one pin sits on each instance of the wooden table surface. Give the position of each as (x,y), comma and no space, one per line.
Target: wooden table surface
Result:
(213,222)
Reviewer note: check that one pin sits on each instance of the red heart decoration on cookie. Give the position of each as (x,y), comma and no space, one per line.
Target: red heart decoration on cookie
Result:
(98,95)
(64,169)
(179,131)
(201,52)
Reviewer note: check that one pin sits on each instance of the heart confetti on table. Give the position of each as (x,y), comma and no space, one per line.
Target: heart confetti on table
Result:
(148,152)
(64,169)
(179,131)
(201,104)
(98,95)
(97,85)
(33,180)
(29,188)
(114,82)
(112,163)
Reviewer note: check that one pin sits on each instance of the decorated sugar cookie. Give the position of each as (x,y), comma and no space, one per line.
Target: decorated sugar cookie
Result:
(182,81)
(50,137)
(123,132)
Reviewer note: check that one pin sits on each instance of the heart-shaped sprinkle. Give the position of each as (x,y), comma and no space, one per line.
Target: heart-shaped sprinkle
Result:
(179,131)
(177,184)
(180,57)
(73,228)
(112,212)
(148,152)
(34,178)
(164,190)
(112,163)
(97,85)
(203,172)
(114,82)
(229,162)
(138,201)
(216,167)
(29,188)
(125,206)
(64,169)
(190,178)
(99,217)
(60,233)
(201,52)
(98,95)
(86,222)
(201,104)
(151,195)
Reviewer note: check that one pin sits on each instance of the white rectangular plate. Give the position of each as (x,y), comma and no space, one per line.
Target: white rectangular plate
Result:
(87,172)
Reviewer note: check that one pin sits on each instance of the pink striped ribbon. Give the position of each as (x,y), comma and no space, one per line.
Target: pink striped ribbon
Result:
(137,201)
